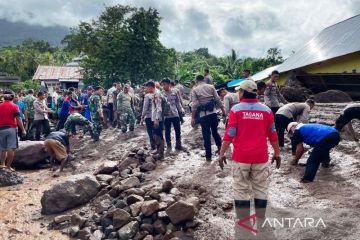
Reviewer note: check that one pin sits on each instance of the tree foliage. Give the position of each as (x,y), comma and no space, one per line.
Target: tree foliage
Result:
(22,60)
(122,44)
(28,84)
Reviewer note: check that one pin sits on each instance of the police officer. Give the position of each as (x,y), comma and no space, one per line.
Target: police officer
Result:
(291,112)
(351,111)
(204,99)
(125,109)
(146,116)
(96,112)
(272,94)
(157,118)
(173,116)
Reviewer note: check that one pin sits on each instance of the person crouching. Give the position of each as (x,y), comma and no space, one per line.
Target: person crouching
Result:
(58,146)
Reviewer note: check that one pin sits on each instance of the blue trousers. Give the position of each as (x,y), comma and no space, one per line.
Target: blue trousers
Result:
(320,153)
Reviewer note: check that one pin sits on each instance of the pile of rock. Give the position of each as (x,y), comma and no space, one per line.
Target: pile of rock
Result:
(9,178)
(332,96)
(128,208)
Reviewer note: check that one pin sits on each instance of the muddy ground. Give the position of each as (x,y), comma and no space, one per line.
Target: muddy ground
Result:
(335,194)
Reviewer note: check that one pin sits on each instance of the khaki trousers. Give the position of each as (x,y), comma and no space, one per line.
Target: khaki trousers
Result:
(56,149)
(250,180)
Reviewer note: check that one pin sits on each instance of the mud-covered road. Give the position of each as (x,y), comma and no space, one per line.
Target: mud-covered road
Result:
(334,195)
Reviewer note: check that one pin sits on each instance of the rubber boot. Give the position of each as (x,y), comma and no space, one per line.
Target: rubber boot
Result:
(168,147)
(156,145)
(264,230)
(242,210)
(178,145)
(131,128)
(161,150)
(152,144)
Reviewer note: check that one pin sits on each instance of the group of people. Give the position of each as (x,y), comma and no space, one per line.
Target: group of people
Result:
(253,114)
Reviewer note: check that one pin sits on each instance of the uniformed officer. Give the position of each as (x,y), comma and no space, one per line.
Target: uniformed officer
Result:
(173,116)
(96,111)
(351,111)
(125,109)
(76,119)
(204,99)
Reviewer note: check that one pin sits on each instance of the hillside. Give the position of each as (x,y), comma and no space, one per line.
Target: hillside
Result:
(14,33)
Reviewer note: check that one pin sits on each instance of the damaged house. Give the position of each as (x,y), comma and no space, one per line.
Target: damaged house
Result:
(331,60)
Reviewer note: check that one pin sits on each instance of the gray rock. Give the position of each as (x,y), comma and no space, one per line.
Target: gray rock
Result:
(128,231)
(147,167)
(106,168)
(149,237)
(29,154)
(62,218)
(180,212)
(73,231)
(159,227)
(195,202)
(149,207)
(84,234)
(75,191)
(147,227)
(9,178)
(136,191)
(127,162)
(98,235)
(135,208)
(120,218)
(133,199)
(104,178)
(126,183)
(167,186)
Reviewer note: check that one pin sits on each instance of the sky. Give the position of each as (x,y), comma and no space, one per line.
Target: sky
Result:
(248,26)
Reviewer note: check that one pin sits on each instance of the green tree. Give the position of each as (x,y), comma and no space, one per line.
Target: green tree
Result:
(122,44)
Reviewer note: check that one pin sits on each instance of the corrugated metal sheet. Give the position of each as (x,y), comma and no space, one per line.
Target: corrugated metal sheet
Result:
(335,41)
(264,73)
(56,72)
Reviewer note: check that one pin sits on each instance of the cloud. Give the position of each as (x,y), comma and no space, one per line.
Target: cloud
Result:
(249,27)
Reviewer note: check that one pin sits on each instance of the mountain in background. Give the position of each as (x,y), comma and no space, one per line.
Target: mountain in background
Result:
(13,33)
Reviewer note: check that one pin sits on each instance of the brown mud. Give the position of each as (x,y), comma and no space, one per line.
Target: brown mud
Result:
(335,188)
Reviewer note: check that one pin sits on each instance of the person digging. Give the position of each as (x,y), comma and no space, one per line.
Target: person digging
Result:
(58,146)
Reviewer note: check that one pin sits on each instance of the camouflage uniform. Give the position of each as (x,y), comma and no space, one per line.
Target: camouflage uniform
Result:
(80,120)
(29,105)
(125,111)
(95,110)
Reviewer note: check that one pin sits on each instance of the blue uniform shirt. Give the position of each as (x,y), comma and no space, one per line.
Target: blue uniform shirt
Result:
(312,133)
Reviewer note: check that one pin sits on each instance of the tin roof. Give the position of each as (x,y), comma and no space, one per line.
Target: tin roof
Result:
(334,41)
(57,72)
(264,73)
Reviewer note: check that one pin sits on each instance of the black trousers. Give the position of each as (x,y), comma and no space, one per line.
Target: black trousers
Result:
(42,126)
(274,109)
(149,128)
(158,131)
(175,121)
(111,112)
(320,154)
(61,123)
(209,126)
(281,123)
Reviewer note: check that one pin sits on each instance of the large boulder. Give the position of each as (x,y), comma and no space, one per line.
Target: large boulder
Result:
(9,178)
(332,96)
(29,154)
(77,190)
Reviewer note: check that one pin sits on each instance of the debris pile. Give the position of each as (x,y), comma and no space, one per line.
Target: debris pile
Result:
(9,178)
(333,96)
(129,207)
(293,91)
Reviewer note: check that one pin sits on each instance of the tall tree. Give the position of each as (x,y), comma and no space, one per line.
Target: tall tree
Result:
(122,44)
